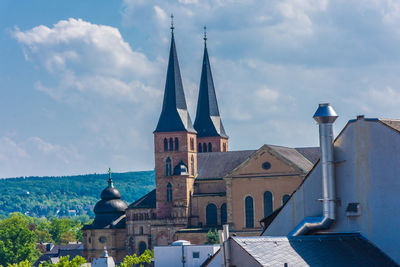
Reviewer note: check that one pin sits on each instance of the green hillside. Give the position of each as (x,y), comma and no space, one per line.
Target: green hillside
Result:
(68,195)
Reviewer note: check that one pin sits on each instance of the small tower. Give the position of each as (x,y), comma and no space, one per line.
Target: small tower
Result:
(211,136)
(174,146)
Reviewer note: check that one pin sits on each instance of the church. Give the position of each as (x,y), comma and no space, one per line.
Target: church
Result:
(200,184)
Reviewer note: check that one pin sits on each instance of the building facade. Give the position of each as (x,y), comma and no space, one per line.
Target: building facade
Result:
(200,184)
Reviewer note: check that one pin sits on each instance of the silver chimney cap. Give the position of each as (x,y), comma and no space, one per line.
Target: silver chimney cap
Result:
(325,114)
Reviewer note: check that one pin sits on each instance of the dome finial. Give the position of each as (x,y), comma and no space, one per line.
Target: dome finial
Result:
(110,181)
(172,24)
(205,36)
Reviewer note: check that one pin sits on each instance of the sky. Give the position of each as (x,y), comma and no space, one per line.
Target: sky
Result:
(82,82)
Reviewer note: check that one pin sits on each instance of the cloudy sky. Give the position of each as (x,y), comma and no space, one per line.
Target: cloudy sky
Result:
(81,82)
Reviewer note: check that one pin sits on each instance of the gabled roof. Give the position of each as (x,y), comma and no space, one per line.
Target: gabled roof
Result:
(293,156)
(147,201)
(215,165)
(314,250)
(174,115)
(208,121)
(310,153)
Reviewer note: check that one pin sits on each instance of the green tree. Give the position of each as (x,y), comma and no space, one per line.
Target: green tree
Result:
(132,260)
(58,227)
(212,237)
(24,263)
(67,237)
(17,241)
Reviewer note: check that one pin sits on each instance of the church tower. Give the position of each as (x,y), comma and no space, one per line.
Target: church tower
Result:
(211,136)
(174,147)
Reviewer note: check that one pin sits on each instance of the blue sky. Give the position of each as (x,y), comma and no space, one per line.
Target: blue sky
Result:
(82,81)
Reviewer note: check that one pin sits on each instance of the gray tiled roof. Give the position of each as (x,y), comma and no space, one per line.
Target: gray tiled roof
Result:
(394,124)
(218,164)
(311,153)
(315,250)
(147,201)
(293,156)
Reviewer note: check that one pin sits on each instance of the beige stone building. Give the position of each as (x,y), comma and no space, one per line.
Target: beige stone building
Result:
(200,185)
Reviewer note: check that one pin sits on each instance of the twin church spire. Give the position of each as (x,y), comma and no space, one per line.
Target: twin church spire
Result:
(174,115)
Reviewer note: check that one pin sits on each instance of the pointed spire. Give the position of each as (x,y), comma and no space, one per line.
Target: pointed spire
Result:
(110,181)
(174,115)
(208,121)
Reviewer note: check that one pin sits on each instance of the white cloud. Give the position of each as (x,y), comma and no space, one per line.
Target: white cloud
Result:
(161,16)
(87,57)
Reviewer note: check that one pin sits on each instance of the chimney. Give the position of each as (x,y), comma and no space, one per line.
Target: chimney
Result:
(325,116)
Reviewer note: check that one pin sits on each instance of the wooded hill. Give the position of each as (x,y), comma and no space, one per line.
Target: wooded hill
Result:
(68,195)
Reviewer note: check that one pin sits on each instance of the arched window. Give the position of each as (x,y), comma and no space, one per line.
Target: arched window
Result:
(171,144)
(200,148)
(249,211)
(223,213)
(285,198)
(141,230)
(204,147)
(224,147)
(211,215)
(142,247)
(268,203)
(176,144)
(165,144)
(168,167)
(191,144)
(209,147)
(192,165)
(169,192)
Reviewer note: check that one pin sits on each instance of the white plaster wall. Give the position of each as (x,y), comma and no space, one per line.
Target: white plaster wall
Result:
(367,172)
(171,256)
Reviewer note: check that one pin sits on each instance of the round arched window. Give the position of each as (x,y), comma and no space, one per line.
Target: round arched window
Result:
(266,165)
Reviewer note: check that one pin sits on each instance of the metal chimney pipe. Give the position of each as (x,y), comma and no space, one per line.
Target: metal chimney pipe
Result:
(325,116)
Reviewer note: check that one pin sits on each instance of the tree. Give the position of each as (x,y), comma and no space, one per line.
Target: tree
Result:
(24,263)
(212,237)
(17,242)
(132,260)
(67,237)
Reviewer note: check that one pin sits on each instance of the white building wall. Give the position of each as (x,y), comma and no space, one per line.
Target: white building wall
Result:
(171,256)
(367,172)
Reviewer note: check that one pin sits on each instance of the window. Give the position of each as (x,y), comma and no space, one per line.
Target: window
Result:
(176,144)
(141,230)
(102,239)
(211,215)
(196,254)
(266,165)
(224,147)
(168,167)
(192,166)
(204,147)
(223,213)
(142,247)
(268,203)
(285,198)
(209,147)
(171,144)
(200,148)
(249,211)
(165,144)
(191,144)
(169,192)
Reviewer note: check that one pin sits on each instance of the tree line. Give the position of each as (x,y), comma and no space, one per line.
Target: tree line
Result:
(68,195)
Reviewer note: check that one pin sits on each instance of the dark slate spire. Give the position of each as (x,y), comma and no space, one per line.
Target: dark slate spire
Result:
(208,121)
(174,115)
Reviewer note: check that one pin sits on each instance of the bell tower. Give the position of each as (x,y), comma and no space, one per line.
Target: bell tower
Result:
(211,136)
(175,147)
